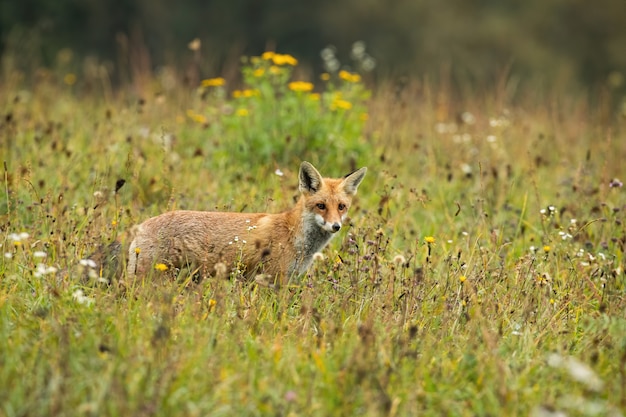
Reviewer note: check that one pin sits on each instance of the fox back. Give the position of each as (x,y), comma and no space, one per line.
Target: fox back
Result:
(280,245)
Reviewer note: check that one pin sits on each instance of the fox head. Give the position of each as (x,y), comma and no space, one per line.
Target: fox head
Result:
(327,199)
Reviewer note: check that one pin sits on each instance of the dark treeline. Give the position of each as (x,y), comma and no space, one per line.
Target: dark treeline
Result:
(476,41)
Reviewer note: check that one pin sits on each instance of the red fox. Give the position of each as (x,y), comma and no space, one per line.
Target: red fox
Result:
(280,245)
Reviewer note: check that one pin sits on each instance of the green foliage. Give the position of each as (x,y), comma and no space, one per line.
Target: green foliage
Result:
(276,118)
(482,272)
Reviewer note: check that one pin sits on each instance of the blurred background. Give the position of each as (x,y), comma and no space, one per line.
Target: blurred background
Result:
(473,44)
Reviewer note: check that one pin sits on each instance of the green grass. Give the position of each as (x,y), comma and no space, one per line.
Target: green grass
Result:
(522,290)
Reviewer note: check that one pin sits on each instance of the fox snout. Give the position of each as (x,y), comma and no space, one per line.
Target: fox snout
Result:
(330,226)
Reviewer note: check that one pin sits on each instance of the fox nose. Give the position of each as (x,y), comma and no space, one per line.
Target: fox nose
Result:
(336,227)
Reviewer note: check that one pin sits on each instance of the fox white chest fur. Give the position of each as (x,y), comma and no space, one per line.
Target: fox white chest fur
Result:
(280,245)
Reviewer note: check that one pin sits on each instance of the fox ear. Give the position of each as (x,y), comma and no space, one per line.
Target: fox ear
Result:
(310,179)
(351,181)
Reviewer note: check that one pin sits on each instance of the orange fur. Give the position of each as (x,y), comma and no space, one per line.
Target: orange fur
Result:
(280,245)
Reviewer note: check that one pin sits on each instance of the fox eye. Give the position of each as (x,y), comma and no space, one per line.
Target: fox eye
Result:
(342,207)
(321,206)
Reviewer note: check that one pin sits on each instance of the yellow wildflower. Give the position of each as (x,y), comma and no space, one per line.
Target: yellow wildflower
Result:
(242,112)
(341,104)
(349,77)
(300,86)
(258,72)
(274,70)
(137,251)
(462,278)
(429,239)
(286,59)
(161,267)
(69,79)
(213,82)
(250,93)
(267,55)
(547,248)
(198,118)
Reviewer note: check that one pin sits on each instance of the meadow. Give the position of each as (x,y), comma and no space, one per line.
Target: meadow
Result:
(481,273)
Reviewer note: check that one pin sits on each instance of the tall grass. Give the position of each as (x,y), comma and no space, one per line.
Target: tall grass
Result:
(482,272)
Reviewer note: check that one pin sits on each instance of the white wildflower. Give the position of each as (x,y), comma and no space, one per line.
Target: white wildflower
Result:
(43,269)
(466,168)
(318,256)
(578,370)
(81,298)
(399,259)
(468,118)
(88,262)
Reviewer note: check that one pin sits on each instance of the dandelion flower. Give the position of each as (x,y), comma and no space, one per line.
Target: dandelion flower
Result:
(284,59)
(161,267)
(267,55)
(274,70)
(245,93)
(318,256)
(69,79)
(213,82)
(198,118)
(300,86)
(250,93)
(547,248)
(399,259)
(341,104)
(429,239)
(349,77)
(462,278)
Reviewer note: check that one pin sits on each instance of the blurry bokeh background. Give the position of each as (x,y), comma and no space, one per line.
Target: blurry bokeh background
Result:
(473,43)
